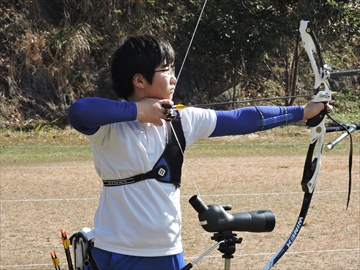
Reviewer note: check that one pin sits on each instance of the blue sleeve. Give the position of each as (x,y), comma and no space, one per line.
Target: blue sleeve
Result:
(88,114)
(252,119)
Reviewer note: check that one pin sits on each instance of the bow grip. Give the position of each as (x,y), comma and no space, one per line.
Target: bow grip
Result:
(313,122)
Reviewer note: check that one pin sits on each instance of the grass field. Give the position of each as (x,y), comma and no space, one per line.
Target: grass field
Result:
(48,183)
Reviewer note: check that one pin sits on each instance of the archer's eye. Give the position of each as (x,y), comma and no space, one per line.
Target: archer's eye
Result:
(171,71)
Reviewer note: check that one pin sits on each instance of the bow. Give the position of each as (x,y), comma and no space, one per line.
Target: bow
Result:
(318,130)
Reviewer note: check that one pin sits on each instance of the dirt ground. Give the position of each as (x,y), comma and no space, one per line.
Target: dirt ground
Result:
(39,199)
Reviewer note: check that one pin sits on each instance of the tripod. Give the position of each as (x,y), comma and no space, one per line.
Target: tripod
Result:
(226,242)
(213,218)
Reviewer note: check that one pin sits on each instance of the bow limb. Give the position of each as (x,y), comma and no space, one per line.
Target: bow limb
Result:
(313,163)
(322,74)
(294,233)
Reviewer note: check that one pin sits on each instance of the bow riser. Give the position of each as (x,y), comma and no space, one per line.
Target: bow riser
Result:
(313,165)
(312,168)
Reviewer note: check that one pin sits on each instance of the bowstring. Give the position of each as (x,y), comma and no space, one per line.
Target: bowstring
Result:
(191,40)
(178,77)
(350,156)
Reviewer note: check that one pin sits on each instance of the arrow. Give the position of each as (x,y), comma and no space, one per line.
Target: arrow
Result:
(66,244)
(55,260)
(182,106)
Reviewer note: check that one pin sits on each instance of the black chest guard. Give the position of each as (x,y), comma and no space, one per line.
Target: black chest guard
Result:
(168,167)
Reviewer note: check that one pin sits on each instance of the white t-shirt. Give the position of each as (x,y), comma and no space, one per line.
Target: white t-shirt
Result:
(144,218)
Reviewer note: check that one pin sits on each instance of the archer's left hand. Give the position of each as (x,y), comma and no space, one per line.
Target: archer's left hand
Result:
(312,109)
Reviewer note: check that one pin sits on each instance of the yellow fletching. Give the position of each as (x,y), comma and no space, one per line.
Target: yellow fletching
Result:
(56,261)
(180,107)
(66,243)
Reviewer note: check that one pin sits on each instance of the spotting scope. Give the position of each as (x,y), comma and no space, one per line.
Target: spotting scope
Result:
(214,218)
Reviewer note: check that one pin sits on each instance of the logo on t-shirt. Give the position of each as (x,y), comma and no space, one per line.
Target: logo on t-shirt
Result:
(162,172)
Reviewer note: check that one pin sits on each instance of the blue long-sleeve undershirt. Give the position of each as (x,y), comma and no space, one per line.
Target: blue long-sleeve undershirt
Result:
(88,114)
(246,120)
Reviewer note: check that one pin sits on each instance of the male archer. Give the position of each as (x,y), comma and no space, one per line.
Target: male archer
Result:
(138,157)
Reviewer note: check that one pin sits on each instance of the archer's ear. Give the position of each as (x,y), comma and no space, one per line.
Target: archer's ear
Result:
(139,80)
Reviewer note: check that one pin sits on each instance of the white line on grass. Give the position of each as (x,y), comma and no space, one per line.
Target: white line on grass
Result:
(288,252)
(203,195)
(210,257)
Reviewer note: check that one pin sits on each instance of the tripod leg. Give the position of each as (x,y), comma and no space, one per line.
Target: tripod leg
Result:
(190,265)
(227,263)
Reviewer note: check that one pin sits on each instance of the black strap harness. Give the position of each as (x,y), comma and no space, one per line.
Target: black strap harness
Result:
(168,167)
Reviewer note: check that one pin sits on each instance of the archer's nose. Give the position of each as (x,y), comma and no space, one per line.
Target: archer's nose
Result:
(173,80)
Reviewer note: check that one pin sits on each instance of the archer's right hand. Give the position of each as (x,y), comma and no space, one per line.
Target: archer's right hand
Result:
(150,110)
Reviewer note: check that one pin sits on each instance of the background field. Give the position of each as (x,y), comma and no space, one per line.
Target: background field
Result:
(48,183)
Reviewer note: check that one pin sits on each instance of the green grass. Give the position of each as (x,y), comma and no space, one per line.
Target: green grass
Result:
(50,145)
(69,145)
(40,153)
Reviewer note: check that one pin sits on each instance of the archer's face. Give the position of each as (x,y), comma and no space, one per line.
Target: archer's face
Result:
(163,85)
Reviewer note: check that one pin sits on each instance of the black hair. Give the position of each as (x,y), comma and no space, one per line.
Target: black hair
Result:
(138,54)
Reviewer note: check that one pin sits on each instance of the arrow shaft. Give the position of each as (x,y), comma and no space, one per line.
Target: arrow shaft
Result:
(247,101)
